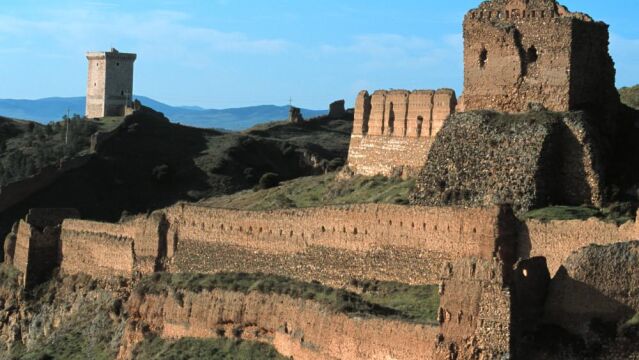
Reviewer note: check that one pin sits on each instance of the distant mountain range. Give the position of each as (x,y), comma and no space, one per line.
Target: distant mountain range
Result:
(52,109)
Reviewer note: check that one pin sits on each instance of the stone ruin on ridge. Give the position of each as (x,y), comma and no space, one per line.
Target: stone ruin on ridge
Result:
(547,70)
(393,130)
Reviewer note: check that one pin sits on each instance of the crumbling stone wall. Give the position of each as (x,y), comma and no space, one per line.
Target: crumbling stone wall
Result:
(333,244)
(556,240)
(518,53)
(98,249)
(530,160)
(596,286)
(302,329)
(36,248)
(393,130)
(474,310)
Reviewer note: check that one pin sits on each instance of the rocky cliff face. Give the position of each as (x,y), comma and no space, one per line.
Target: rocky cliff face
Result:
(65,317)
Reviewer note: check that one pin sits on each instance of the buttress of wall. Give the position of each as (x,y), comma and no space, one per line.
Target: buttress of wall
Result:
(556,240)
(392,237)
(98,249)
(474,309)
(393,130)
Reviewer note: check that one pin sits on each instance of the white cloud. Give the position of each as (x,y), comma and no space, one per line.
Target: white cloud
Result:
(393,50)
(164,33)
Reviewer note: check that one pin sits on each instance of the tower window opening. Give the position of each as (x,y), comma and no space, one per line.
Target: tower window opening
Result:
(483,57)
(531,54)
(420,123)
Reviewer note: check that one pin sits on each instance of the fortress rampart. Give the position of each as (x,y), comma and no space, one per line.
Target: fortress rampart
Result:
(99,249)
(393,130)
(487,295)
(300,328)
(333,244)
(13,193)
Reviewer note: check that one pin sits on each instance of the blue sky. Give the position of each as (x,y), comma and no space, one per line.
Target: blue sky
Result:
(230,53)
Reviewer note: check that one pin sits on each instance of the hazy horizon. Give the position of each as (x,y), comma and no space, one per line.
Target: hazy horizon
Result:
(227,54)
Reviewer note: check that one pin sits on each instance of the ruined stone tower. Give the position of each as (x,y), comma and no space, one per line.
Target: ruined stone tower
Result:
(110,83)
(393,130)
(519,53)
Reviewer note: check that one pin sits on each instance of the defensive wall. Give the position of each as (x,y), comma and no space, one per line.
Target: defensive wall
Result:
(13,193)
(332,244)
(303,329)
(393,130)
(489,292)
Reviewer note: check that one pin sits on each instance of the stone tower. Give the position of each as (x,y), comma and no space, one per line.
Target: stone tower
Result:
(110,83)
(519,53)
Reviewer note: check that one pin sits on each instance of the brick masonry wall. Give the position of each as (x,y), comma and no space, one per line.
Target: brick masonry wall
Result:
(303,329)
(556,240)
(97,249)
(393,130)
(334,244)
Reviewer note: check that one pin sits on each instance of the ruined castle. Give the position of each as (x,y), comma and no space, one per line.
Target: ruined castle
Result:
(498,276)
(110,83)
(518,55)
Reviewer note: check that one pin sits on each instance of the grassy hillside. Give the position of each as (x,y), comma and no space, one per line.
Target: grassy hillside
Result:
(26,147)
(630,96)
(376,298)
(317,191)
(151,163)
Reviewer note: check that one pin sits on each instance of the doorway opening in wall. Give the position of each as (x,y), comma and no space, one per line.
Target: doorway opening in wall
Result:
(483,57)
(532,55)
(420,123)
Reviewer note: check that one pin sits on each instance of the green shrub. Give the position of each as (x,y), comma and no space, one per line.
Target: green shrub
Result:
(269,180)
(211,349)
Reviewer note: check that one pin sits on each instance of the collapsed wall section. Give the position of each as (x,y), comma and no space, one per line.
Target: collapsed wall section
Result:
(597,286)
(557,240)
(393,130)
(35,252)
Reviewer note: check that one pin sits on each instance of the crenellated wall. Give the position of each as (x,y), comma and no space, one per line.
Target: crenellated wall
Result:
(333,244)
(393,130)
(98,249)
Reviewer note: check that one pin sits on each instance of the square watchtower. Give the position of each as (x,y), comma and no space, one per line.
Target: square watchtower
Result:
(110,83)
(523,52)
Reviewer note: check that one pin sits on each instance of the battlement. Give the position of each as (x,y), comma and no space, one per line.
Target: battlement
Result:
(523,10)
(393,129)
(109,84)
